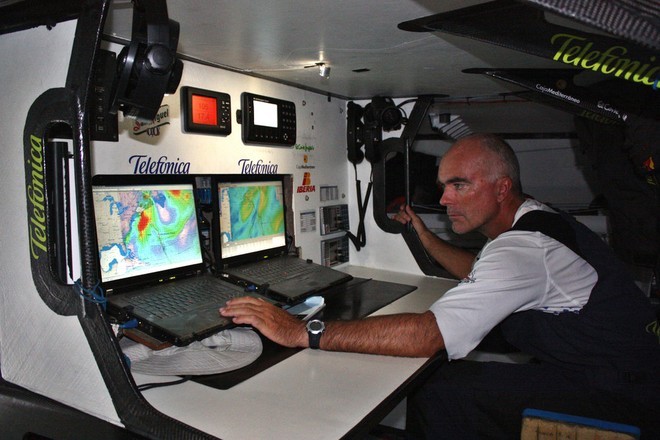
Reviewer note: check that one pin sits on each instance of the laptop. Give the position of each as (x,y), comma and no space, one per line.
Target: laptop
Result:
(150,258)
(251,241)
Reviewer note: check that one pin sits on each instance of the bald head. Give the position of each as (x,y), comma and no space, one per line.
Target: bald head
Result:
(480,177)
(495,155)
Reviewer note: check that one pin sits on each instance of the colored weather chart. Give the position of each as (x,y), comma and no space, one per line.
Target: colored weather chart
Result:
(142,231)
(255,211)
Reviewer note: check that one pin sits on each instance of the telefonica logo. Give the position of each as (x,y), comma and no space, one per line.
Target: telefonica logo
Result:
(143,164)
(36,195)
(259,167)
(577,51)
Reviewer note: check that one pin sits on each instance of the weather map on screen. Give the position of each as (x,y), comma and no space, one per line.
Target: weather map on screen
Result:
(142,230)
(251,217)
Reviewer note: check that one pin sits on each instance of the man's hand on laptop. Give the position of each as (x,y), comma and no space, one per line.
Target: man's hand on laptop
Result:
(273,322)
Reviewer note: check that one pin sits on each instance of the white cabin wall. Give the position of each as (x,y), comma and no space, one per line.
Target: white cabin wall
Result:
(555,171)
(319,150)
(39,350)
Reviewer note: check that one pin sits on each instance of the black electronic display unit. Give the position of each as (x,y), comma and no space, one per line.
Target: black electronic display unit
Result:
(205,111)
(266,120)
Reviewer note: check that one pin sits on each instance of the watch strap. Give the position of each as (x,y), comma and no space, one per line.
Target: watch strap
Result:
(314,340)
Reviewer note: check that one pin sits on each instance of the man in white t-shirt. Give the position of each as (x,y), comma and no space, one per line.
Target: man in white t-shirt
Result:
(534,278)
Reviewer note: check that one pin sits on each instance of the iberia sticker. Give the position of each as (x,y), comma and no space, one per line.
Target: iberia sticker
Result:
(306,184)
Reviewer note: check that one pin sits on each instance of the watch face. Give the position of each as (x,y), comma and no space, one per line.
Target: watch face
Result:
(315,326)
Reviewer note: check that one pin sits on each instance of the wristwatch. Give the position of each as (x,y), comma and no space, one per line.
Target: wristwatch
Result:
(315,329)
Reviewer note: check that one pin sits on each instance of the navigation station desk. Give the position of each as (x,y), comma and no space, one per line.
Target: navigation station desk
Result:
(312,393)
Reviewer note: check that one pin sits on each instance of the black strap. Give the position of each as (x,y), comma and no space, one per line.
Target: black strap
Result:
(550,224)
(360,240)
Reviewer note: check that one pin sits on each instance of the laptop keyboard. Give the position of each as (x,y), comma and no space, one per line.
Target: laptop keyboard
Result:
(279,270)
(180,297)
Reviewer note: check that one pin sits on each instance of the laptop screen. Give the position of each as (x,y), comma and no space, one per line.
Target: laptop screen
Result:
(250,218)
(145,228)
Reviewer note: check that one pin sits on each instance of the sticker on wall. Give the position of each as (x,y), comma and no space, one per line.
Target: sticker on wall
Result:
(306,184)
(304,147)
(308,221)
(305,162)
(649,166)
(329,192)
(153,128)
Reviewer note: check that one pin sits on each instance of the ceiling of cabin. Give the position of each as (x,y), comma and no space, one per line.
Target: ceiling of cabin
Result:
(358,39)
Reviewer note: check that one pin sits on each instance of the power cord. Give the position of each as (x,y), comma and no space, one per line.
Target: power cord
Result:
(94,295)
(289,245)
(148,386)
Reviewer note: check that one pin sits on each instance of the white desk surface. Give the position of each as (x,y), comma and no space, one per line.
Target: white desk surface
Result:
(310,394)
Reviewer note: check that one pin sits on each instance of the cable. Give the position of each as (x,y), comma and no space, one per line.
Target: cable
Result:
(208,259)
(148,386)
(94,295)
(131,323)
(288,240)
(407,101)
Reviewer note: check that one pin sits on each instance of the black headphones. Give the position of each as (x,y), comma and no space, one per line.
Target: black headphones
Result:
(382,113)
(148,67)
(365,127)
(354,132)
(360,131)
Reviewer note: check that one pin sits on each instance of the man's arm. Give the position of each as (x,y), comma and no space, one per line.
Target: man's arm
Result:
(409,334)
(456,260)
(406,334)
